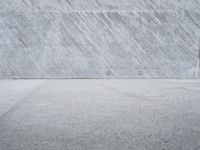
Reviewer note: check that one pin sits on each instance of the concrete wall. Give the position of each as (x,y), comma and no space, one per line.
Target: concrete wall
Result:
(99,38)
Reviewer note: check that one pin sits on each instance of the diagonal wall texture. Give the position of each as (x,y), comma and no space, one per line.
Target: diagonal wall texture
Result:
(99,38)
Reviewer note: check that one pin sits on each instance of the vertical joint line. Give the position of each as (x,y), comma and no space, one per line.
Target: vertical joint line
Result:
(198,65)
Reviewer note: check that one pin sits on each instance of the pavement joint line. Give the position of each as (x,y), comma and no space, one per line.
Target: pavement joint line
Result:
(125,94)
(13,108)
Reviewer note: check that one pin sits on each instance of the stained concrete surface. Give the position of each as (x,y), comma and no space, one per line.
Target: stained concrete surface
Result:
(101,115)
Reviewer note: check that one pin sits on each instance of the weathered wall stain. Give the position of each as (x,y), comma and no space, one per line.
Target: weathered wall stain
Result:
(99,39)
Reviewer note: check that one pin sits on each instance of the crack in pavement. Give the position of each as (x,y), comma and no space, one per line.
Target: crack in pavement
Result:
(135,95)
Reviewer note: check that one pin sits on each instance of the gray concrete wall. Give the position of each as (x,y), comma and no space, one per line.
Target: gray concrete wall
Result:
(99,38)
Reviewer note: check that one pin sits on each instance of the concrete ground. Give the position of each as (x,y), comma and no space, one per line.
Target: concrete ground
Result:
(99,115)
